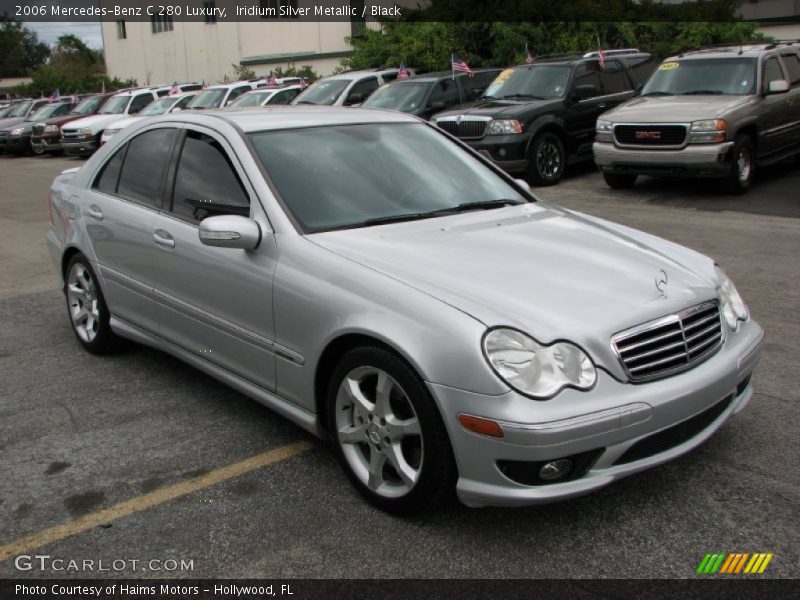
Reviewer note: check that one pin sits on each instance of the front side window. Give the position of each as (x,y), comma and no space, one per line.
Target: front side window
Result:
(772,71)
(613,78)
(139,102)
(347,176)
(446,92)
(206,183)
(474,86)
(792,63)
(236,92)
(700,76)
(362,90)
(146,162)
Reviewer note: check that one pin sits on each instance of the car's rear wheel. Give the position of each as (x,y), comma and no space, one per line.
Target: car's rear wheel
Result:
(87,308)
(619,181)
(743,166)
(547,159)
(388,433)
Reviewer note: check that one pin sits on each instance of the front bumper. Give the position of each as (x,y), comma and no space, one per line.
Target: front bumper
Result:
(83,145)
(506,151)
(46,143)
(608,420)
(14,143)
(694,160)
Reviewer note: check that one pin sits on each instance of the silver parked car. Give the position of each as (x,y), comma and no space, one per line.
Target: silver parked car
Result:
(379,283)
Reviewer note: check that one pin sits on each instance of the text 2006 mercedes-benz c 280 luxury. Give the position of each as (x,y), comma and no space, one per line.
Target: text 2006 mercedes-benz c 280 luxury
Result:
(379,283)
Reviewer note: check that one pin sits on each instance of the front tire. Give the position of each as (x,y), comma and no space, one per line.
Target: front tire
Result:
(619,181)
(87,309)
(743,166)
(388,433)
(547,159)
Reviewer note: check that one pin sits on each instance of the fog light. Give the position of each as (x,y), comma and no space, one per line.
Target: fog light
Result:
(555,469)
(502,152)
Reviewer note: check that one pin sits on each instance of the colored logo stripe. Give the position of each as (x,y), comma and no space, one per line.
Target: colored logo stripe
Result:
(734,563)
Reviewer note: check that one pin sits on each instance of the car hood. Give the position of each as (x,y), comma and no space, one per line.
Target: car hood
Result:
(544,270)
(27,126)
(63,119)
(8,121)
(95,122)
(672,109)
(501,109)
(122,123)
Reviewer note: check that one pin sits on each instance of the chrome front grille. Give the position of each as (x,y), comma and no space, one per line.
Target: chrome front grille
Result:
(464,128)
(69,134)
(671,344)
(650,135)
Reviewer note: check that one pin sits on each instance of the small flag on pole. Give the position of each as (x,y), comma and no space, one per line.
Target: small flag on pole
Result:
(402,72)
(271,80)
(56,97)
(303,81)
(74,98)
(460,66)
(529,58)
(174,90)
(601,56)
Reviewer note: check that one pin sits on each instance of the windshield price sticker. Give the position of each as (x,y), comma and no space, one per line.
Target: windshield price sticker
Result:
(668,66)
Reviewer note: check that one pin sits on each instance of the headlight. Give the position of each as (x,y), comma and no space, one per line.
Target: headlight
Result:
(51,128)
(604,131)
(503,127)
(17,131)
(709,131)
(537,370)
(733,307)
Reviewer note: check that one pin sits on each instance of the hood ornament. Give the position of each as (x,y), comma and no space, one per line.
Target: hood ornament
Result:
(661,281)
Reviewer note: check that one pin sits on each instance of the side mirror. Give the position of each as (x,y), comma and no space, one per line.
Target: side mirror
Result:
(354,99)
(230,231)
(176,109)
(582,92)
(779,86)
(133,111)
(436,106)
(523,184)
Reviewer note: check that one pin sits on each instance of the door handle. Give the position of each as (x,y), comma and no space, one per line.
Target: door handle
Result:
(95,212)
(163,238)
(601,105)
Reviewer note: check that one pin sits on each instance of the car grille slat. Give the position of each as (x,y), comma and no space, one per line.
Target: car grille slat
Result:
(671,344)
(464,128)
(650,135)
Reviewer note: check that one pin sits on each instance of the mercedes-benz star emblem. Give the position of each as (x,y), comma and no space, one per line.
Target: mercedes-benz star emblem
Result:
(661,282)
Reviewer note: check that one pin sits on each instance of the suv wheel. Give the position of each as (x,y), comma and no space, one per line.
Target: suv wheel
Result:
(619,181)
(87,308)
(388,433)
(547,159)
(743,166)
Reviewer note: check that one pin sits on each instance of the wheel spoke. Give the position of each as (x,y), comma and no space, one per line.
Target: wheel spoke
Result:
(383,391)
(400,429)
(395,456)
(81,315)
(354,393)
(352,434)
(377,460)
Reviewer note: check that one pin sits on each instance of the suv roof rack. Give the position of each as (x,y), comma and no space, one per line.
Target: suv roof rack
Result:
(612,52)
(732,46)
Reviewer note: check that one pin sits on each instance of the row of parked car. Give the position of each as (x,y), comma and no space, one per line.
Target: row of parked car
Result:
(710,112)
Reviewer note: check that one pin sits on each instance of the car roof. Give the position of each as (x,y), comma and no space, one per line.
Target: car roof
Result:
(220,86)
(284,117)
(135,91)
(349,75)
(751,50)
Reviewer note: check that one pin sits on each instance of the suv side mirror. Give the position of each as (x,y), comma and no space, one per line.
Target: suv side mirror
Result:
(230,231)
(582,92)
(354,99)
(523,185)
(778,86)
(436,106)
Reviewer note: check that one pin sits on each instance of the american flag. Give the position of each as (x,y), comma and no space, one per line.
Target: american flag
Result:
(174,90)
(402,72)
(74,98)
(529,58)
(56,96)
(459,66)
(303,81)
(601,56)
(271,80)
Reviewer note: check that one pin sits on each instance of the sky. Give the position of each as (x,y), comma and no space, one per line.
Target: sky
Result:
(50,31)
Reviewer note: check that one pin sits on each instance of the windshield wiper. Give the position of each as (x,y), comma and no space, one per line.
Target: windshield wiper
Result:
(305,102)
(702,92)
(397,218)
(484,204)
(658,94)
(522,96)
(481,205)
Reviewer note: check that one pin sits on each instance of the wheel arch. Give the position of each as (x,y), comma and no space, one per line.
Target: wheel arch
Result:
(545,124)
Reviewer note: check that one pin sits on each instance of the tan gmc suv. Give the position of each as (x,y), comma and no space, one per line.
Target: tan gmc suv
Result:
(712,112)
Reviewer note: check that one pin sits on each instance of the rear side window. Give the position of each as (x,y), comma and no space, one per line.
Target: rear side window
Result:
(146,163)
(792,62)
(206,183)
(106,181)
(613,79)
(236,92)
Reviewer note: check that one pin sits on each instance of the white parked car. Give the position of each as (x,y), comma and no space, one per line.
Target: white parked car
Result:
(83,136)
(346,89)
(162,106)
(268,95)
(219,96)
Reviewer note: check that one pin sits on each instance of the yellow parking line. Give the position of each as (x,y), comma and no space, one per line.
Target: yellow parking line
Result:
(154,498)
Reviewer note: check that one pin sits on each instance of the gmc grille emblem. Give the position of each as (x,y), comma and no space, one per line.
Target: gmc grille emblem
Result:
(648,135)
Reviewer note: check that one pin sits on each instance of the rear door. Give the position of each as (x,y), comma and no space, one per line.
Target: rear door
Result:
(214,302)
(791,64)
(777,125)
(120,213)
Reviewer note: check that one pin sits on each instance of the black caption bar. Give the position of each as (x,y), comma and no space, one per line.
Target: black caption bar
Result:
(354,589)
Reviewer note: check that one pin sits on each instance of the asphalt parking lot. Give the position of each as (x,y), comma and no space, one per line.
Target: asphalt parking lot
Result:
(95,450)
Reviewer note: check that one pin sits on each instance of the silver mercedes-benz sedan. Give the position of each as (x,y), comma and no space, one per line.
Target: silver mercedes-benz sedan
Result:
(384,286)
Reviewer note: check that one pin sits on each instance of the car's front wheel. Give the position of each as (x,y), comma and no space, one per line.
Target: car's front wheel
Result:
(743,166)
(88,312)
(547,159)
(388,433)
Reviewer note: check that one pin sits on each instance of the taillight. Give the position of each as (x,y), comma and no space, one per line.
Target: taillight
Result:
(50,209)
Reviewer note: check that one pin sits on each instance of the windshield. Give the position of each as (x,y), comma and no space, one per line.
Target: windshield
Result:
(251,99)
(157,107)
(539,81)
(4,111)
(322,92)
(115,106)
(404,97)
(210,98)
(46,112)
(20,109)
(351,175)
(88,106)
(703,76)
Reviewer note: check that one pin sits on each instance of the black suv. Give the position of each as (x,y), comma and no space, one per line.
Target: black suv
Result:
(536,118)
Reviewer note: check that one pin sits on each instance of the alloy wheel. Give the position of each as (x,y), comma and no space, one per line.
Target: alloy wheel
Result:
(744,164)
(82,300)
(548,159)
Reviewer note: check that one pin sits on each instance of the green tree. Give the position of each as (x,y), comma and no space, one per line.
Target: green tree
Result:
(20,49)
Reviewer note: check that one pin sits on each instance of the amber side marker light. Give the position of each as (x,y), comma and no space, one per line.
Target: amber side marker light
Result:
(479,425)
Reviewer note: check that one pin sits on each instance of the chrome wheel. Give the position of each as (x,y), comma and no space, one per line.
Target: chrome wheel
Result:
(379,432)
(744,164)
(82,301)
(548,159)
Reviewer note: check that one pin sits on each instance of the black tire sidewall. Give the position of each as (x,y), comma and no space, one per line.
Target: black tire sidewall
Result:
(105,340)
(437,475)
(733,184)
(533,169)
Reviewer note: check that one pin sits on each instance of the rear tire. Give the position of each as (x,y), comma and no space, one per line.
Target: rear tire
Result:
(547,159)
(619,181)
(743,165)
(388,434)
(87,309)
